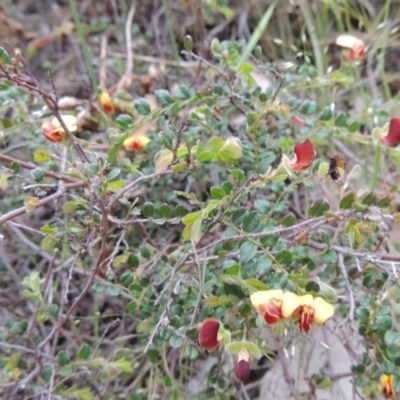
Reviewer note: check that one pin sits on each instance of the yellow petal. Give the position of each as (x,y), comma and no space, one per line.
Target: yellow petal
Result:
(349,41)
(136,142)
(69,120)
(106,103)
(306,300)
(290,302)
(322,310)
(264,297)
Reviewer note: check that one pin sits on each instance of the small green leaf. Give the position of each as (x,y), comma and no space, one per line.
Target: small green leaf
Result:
(114,173)
(180,211)
(196,230)
(63,358)
(289,220)
(4,56)
(164,211)
(392,338)
(341,119)
(124,121)
(214,144)
(191,217)
(325,114)
(245,68)
(148,210)
(176,342)
(205,156)
(48,243)
(182,92)
(319,207)
(284,257)
(163,97)
(133,261)
(330,257)
(41,156)
(327,292)
(115,185)
(251,222)
(84,352)
(217,192)
(309,107)
(362,314)
(354,126)
(247,251)
(382,324)
(142,106)
(38,174)
(347,201)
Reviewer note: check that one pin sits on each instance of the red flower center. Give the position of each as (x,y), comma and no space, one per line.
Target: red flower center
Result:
(306,317)
(273,311)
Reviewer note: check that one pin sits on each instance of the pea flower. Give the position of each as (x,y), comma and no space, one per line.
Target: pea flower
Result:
(355,46)
(392,139)
(243,365)
(136,142)
(387,386)
(304,156)
(106,103)
(312,310)
(209,338)
(274,305)
(54,132)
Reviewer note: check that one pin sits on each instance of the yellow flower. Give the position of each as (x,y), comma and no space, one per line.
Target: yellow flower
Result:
(106,103)
(54,132)
(312,310)
(355,46)
(136,142)
(274,305)
(387,386)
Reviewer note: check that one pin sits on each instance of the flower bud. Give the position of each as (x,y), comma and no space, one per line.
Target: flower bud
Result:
(243,365)
(216,48)
(258,52)
(106,103)
(188,43)
(208,334)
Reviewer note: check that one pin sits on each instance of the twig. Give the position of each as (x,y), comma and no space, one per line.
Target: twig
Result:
(29,82)
(163,319)
(348,285)
(126,80)
(134,183)
(26,165)
(22,210)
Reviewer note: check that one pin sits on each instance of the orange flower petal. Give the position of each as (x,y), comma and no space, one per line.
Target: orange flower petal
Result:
(392,139)
(304,155)
(306,317)
(208,334)
(52,133)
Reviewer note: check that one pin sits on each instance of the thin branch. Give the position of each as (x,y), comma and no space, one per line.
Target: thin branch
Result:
(22,210)
(348,285)
(134,183)
(30,166)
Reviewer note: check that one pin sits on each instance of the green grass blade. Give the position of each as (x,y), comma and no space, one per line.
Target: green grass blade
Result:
(262,25)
